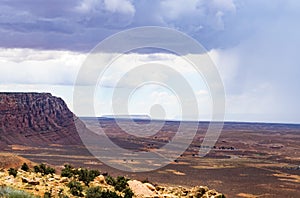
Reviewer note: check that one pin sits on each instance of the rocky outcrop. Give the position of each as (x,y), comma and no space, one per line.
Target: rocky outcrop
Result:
(36,119)
(38,184)
(142,190)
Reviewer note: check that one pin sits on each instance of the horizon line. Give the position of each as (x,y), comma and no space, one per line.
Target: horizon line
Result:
(178,120)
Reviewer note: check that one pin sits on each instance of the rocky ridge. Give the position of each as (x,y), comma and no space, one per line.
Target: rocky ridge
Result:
(36,119)
(37,184)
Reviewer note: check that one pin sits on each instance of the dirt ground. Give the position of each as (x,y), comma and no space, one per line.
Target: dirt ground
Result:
(249,159)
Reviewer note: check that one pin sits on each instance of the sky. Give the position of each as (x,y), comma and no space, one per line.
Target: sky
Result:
(253,43)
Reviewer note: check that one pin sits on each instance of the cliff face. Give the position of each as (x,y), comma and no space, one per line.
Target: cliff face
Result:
(36,118)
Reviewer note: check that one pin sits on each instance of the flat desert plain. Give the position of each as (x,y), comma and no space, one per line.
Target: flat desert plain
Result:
(248,160)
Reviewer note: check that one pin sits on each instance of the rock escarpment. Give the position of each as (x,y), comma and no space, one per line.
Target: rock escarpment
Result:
(36,119)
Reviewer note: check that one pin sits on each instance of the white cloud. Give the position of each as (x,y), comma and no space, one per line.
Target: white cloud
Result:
(114,6)
(227,5)
(27,66)
(227,62)
(195,14)
(56,71)
(145,98)
(125,64)
(249,96)
(176,9)
(86,6)
(121,6)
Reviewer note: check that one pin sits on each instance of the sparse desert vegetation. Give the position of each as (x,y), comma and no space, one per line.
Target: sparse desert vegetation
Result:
(41,181)
(43,169)
(252,167)
(8,192)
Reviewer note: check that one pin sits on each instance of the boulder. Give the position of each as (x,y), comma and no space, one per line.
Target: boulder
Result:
(140,190)
(150,186)
(64,180)
(100,179)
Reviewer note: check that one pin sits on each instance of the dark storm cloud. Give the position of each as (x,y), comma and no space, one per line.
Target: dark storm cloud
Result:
(55,24)
(81,24)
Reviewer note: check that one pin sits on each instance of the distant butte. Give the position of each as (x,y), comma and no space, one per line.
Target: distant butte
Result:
(36,119)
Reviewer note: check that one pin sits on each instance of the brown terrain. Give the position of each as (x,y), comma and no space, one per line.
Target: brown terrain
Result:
(249,159)
(36,119)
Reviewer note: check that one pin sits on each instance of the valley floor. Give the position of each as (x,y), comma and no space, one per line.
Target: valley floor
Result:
(248,161)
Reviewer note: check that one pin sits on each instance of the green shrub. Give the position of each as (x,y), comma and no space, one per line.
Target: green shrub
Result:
(83,175)
(110,180)
(25,167)
(121,183)
(36,169)
(45,170)
(67,171)
(110,194)
(96,192)
(47,195)
(61,194)
(94,173)
(75,188)
(49,170)
(12,172)
(9,192)
(86,176)
(128,193)
(42,168)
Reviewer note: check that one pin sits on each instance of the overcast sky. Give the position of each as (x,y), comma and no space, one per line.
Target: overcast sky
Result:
(254,43)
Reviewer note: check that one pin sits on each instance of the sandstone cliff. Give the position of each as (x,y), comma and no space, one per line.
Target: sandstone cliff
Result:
(36,119)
